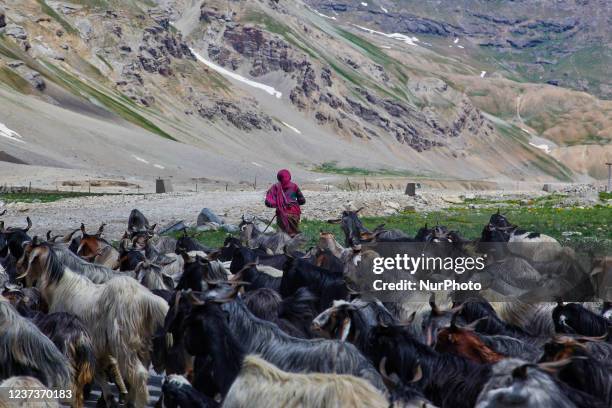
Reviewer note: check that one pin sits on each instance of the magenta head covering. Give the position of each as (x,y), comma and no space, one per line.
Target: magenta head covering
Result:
(284,177)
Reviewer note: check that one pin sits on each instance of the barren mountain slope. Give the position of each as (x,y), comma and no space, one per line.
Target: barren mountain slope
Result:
(229,90)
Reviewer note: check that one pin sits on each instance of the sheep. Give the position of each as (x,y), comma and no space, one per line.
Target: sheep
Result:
(261,385)
(121,316)
(21,383)
(24,350)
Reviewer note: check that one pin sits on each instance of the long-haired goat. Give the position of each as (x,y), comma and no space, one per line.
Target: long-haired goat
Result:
(24,350)
(261,384)
(121,316)
(69,335)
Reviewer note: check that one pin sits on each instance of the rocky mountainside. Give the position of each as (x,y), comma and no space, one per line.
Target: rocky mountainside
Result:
(560,42)
(229,90)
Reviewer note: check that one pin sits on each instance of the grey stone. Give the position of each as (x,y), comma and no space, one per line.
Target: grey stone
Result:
(207,215)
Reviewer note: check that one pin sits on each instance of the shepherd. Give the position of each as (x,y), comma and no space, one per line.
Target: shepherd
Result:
(287,198)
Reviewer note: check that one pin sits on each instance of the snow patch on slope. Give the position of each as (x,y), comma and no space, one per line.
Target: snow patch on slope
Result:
(396,36)
(296,130)
(235,76)
(10,134)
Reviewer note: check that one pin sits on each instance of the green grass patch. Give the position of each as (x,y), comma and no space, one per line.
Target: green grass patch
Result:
(10,78)
(52,13)
(589,140)
(548,200)
(332,167)
(45,197)
(604,195)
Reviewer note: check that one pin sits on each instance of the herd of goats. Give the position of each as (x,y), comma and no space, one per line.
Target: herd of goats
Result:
(262,323)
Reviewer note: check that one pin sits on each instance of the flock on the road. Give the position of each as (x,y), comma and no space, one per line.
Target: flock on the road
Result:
(264,322)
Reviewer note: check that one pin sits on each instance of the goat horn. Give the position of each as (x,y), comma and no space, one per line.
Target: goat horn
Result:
(3,212)
(418,374)
(101,229)
(29,221)
(83,228)
(453,322)
(554,366)
(66,238)
(49,235)
(472,326)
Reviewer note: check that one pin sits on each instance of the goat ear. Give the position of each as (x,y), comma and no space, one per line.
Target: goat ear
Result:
(432,303)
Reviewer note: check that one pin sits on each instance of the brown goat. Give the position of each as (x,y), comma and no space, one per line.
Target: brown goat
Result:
(464,342)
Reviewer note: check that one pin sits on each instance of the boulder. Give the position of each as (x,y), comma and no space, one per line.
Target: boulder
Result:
(230,228)
(173,226)
(206,216)
(16,32)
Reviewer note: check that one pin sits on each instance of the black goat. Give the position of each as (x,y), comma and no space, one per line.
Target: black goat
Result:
(327,285)
(447,380)
(573,318)
(292,314)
